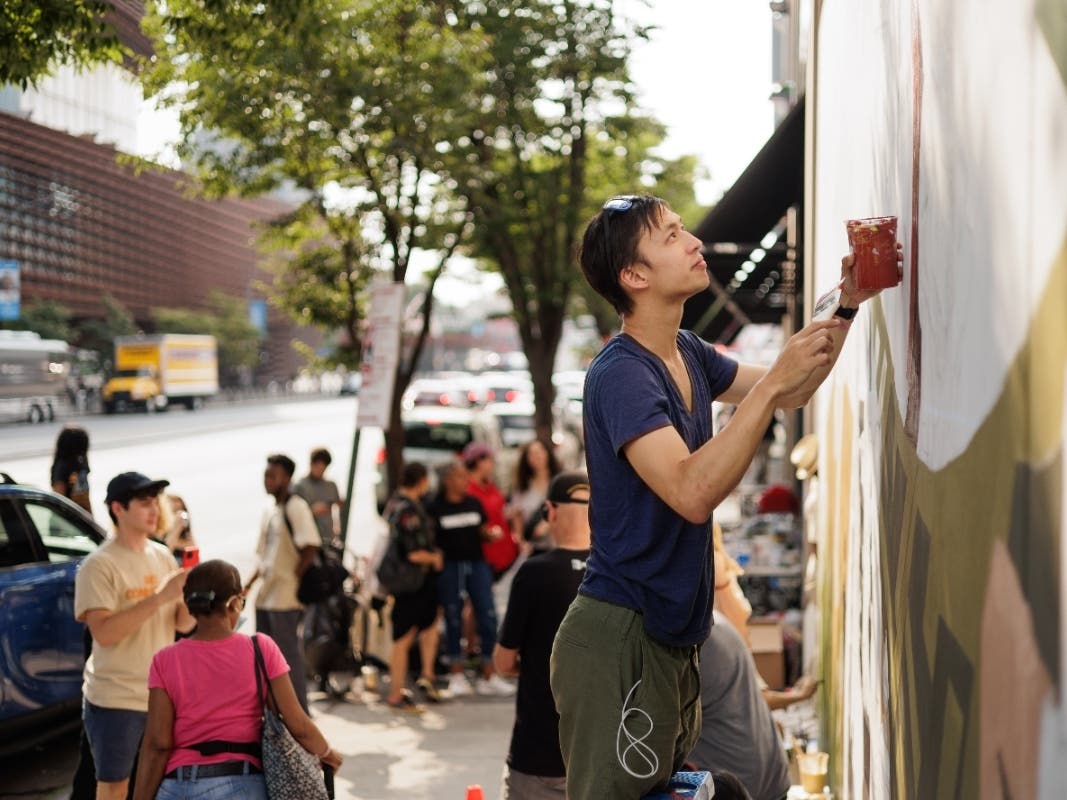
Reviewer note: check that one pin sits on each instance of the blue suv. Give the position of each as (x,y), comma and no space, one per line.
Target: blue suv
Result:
(43,538)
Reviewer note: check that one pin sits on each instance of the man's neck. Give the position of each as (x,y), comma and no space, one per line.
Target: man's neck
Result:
(573,540)
(281,496)
(656,329)
(131,540)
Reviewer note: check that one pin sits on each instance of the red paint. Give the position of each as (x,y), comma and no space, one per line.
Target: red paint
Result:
(874,242)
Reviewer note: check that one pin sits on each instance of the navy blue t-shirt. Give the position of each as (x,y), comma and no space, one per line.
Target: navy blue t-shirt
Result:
(645,556)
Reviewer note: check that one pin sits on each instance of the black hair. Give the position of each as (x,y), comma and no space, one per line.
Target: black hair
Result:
(287,464)
(728,786)
(321,455)
(446,470)
(73,441)
(523,470)
(412,473)
(609,245)
(209,586)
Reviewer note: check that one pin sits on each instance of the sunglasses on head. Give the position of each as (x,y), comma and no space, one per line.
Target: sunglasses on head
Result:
(622,202)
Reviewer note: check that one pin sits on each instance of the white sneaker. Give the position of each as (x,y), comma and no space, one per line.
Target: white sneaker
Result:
(458,685)
(495,686)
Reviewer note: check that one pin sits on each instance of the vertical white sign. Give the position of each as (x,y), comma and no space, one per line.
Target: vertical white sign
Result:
(381,354)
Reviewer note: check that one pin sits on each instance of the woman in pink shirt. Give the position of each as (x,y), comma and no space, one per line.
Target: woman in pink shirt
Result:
(204,712)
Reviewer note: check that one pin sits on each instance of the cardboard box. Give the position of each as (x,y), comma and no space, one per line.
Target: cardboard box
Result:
(768,650)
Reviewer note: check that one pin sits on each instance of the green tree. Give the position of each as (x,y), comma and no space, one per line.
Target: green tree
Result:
(46,318)
(557,136)
(99,333)
(37,35)
(351,104)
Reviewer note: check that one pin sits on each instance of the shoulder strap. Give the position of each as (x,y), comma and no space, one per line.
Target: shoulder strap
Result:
(262,678)
(285,517)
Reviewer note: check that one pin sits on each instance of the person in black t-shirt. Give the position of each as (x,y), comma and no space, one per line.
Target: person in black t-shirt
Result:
(541,592)
(461,525)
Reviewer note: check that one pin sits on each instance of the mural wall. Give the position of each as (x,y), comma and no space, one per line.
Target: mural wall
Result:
(941,514)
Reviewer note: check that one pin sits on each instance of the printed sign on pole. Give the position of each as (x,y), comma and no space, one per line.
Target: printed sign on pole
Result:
(381,354)
(10,293)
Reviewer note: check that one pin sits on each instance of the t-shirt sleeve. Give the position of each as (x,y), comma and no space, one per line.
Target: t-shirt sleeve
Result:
(94,587)
(630,414)
(305,531)
(721,370)
(273,659)
(511,629)
(156,679)
(407,527)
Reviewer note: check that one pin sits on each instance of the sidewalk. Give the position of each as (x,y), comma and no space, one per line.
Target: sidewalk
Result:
(431,756)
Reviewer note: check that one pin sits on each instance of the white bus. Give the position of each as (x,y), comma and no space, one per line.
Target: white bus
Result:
(33,376)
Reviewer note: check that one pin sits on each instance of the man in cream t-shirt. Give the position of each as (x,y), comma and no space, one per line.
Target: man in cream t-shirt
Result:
(288,541)
(129,593)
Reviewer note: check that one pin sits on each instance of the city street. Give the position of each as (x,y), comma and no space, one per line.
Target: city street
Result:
(214,458)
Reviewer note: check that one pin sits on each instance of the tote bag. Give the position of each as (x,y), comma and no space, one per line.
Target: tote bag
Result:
(290,771)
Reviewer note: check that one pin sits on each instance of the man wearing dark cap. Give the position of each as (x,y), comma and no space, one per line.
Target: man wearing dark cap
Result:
(541,592)
(129,594)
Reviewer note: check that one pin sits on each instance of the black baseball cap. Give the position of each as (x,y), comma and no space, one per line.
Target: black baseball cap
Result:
(565,485)
(128,484)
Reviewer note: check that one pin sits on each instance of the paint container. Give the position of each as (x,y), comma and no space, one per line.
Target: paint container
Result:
(812,768)
(874,242)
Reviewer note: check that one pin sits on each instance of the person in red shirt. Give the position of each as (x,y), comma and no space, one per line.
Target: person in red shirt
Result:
(500,548)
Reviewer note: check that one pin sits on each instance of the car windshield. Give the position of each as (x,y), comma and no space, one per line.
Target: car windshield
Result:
(437,436)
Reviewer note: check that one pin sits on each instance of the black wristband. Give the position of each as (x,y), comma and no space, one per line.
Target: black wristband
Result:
(845,313)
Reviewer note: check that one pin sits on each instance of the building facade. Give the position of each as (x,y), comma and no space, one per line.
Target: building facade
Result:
(81,223)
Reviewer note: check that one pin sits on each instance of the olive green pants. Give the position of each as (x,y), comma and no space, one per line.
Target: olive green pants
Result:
(629,706)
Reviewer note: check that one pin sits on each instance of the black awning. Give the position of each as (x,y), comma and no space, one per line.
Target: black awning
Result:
(751,208)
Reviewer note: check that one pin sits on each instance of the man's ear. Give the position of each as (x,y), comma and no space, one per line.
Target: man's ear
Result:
(633,277)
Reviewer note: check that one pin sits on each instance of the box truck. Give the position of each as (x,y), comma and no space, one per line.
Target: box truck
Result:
(153,373)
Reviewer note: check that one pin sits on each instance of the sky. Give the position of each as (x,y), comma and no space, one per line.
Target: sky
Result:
(706,74)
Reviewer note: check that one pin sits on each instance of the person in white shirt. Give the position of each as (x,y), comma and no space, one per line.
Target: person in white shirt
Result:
(288,540)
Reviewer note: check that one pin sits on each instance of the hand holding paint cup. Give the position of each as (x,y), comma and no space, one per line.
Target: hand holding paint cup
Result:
(874,243)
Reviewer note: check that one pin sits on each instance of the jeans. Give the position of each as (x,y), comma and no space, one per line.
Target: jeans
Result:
(477,579)
(281,626)
(239,787)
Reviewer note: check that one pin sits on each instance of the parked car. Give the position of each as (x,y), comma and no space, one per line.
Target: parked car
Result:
(503,387)
(43,538)
(435,435)
(352,383)
(434,392)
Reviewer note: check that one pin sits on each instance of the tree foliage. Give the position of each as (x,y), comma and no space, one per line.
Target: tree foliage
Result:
(47,318)
(349,105)
(36,35)
(559,134)
(99,334)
